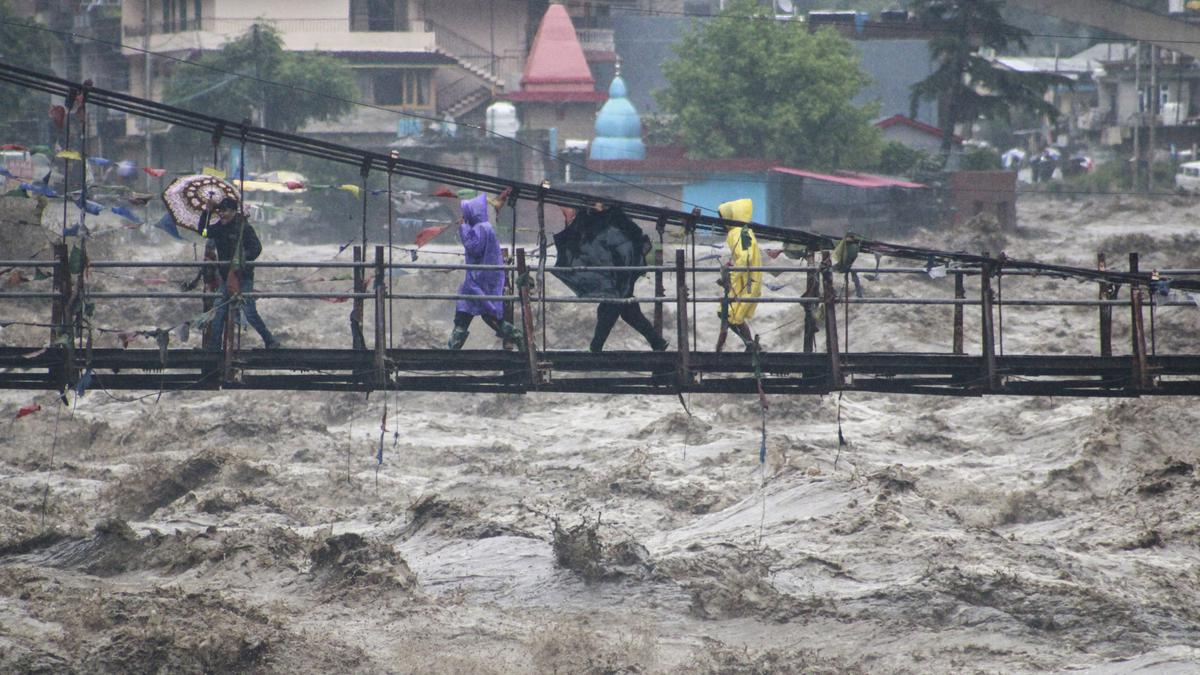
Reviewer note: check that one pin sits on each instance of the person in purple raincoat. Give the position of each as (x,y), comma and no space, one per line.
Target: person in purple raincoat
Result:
(482,248)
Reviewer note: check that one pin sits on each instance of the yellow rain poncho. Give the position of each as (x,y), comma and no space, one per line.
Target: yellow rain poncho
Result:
(743,245)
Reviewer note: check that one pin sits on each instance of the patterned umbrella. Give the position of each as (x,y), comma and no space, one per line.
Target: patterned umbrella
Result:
(187,197)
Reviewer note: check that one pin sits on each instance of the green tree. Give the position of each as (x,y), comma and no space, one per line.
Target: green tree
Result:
(971,85)
(746,85)
(26,47)
(981,159)
(304,86)
(897,159)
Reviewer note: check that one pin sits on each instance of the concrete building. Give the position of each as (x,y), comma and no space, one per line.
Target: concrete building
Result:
(404,53)
(916,135)
(558,91)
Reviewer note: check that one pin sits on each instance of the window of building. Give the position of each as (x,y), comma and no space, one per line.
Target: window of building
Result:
(175,15)
(379,15)
(407,87)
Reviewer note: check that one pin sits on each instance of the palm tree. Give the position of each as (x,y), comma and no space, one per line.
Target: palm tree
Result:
(972,85)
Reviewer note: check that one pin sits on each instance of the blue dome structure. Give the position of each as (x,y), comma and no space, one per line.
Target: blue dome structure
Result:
(618,127)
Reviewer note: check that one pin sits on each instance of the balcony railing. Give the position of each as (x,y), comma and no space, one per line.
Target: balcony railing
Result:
(596,39)
(239,26)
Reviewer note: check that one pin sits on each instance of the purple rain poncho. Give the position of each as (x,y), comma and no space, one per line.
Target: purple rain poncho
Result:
(482,248)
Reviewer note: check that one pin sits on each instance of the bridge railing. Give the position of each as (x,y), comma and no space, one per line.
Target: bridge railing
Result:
(69,320)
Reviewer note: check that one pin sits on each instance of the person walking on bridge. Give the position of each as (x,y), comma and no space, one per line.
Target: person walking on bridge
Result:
(236,245)
(481,248)
(744,286)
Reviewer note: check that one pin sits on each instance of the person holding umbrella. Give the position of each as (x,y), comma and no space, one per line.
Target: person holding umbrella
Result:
(236,244)
(606,237)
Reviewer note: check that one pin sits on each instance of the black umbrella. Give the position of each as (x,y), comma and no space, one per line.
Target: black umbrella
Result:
(607,238)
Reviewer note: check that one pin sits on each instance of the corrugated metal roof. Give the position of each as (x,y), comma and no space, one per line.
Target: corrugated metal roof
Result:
(850,179)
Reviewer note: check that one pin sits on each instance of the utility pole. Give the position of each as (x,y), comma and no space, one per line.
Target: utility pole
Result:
(262,110)
(1154,101)
(146,82)
(1137,126)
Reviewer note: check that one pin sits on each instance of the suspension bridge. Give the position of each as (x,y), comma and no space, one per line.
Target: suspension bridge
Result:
(968,364)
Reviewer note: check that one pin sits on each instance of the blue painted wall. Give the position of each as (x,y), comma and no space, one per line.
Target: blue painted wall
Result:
(710,191)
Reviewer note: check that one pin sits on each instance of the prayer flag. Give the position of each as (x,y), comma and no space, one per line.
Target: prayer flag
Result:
(99,161)
(157,173)
(39,188)
(352,189)
(126,214)
(69,154)
(89,206)
(27,410)
(294,185)
(428,234)
(213,171)
(167,224)
(58,115)
(84,382)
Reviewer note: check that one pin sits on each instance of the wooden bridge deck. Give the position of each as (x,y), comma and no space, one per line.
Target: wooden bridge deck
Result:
(616,372)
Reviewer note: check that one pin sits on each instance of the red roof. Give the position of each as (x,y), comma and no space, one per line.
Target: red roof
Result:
(919,126)
(556,63)
(850,179)
(525,96)
(681,165)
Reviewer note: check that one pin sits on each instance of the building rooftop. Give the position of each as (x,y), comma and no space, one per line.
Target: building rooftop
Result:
(556,62)
(910,122)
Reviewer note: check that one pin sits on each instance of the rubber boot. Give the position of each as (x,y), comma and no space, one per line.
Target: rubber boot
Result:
(507,331)
(458,338)
(743,331)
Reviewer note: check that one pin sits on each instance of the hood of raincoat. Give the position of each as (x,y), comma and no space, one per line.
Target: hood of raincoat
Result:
(475,210)
(741,210)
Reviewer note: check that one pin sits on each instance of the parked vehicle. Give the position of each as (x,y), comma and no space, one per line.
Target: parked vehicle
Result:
(1187,177)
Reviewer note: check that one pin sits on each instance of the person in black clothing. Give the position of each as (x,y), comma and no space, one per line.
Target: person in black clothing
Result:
(225,233)
(607,314)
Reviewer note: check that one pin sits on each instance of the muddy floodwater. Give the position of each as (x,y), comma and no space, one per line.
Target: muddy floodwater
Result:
(248,531)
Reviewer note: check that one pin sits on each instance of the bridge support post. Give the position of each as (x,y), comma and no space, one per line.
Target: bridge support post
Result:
(1107,292)
(960,293)
(1141,374)
(356,314)
(988,337)
(509,285)
(812,289)
(683,368)
(381,313)
(660,291)
(62,290)
(59,312)
(535,376)
(829,297)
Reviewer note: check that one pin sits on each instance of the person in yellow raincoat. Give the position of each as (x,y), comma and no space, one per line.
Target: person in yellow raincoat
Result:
(743,247)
